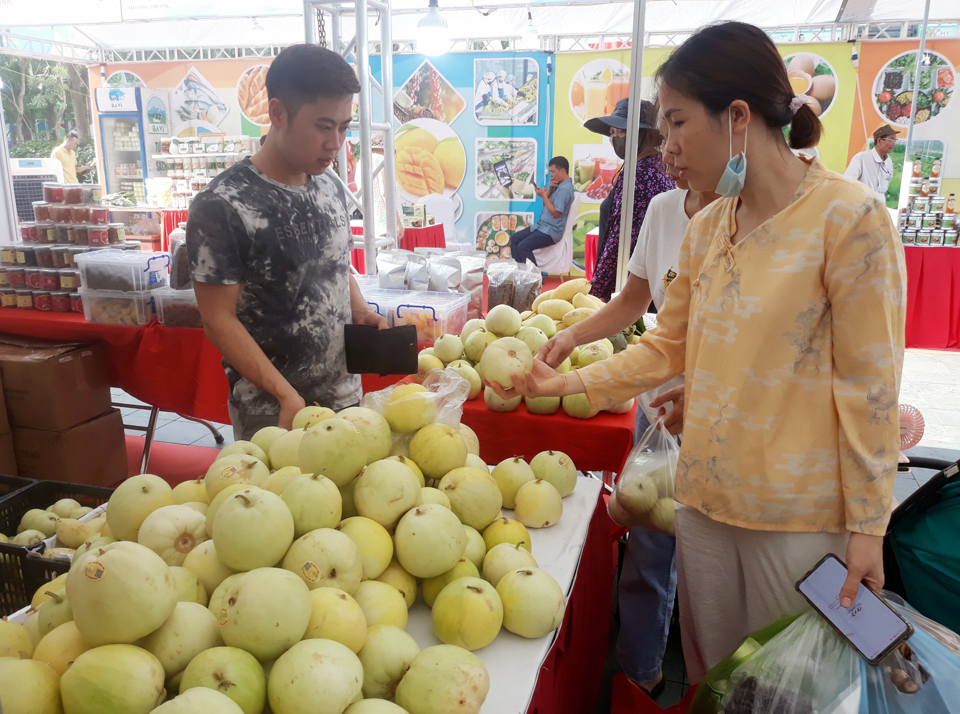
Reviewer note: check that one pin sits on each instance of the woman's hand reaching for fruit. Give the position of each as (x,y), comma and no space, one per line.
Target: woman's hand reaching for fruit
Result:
(541,381)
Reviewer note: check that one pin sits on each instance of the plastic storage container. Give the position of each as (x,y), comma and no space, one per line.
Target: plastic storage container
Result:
(42,300)
(116,307)
(177,308)
(41,211)
(8,297)
(76,303)
(8,254)
(434,314)
(122,270)
(44,256)
(25,298)
(60,300)
(99,215)
(4,278)
(70,279)
(385,301)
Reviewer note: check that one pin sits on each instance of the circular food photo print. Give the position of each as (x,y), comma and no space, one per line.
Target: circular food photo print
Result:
(430,159)
(494,231)
(814,79)
(894,93)
(252,95)
(597,87)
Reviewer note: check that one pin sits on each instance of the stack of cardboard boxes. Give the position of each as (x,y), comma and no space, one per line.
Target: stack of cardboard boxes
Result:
(58,422)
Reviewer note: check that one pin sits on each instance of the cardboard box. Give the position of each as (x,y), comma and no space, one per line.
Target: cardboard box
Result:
(4,420)
(93,452)
(52,386)
(8,458)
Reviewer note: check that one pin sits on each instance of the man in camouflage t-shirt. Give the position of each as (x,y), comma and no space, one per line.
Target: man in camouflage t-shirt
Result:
(269,244)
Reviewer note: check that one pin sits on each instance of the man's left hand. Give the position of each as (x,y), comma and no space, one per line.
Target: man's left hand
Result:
(371,318)
(541,192)
(674,420)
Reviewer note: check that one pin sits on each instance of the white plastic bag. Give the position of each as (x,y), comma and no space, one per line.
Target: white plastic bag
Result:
(643,495)
(410,410)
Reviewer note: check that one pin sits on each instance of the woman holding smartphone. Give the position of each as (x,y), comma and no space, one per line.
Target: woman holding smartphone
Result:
(787,318)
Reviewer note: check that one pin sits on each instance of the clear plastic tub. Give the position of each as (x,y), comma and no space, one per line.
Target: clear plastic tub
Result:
(177,308)
(385,302)
(116,307)
(127,271)
(364,282)
(434,314)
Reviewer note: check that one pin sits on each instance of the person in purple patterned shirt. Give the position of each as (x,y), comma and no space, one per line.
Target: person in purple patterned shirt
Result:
(652,180)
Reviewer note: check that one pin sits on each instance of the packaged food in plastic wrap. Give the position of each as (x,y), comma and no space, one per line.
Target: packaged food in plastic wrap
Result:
(527,282)
(418,272)
(409,407)
(472,267)
(444,270)
(643,495)
(392,269)
(501,284)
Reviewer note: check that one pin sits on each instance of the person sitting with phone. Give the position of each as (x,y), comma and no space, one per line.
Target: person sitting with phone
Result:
(556,205)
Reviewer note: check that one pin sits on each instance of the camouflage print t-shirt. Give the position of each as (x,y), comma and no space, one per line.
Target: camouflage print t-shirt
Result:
(288,247)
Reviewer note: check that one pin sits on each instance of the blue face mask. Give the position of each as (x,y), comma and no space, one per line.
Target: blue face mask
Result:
(735,172)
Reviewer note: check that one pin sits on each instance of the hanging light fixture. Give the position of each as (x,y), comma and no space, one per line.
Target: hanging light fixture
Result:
(529,39)
(257,27)
(434,36)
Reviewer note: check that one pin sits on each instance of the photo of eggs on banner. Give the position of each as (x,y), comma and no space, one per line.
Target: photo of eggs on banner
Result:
(430,159)
(814,79)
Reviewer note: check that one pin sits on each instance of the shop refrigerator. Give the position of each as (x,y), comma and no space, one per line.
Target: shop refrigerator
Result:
(129,122)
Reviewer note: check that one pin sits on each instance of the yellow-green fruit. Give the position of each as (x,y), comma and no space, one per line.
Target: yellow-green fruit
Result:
(433,495)
(325,558)
(113,678)
(189,587)
(467,613)
(374,429)
(577,406)
(385,490)
(429,540)
(41,594)
(474,496)
(335,615)
(453,161)
(172,532)
(311,416)
(538,504)
(533,603)
(472,377)
(190,630)
(507,530)
(386,657)
(314,502)
(410,464)
(373,542)
(219,596)
(231,671)
(432,586)
(278,481)
(382,604)
(448,348)
(134,500)
(475,462)
(54,612)
(542,405)
(497,404)
(477,344)
(220,499)
(65,507)
(544,324)
(476,547)
(444,679)
(418,137)
(557,468)
(253,529)
(39,520)
(200,699)
(28,687)
(470,439)
(510,475)
(244,448)
(335,449)
(503,559)
(191,491)
(348,506)
(410,407)
(554,309)
(265,438)
(203,562)
(14,640)
(285,450)
(469,327)
(403,581)
(60,648)
(316,676)
(234,469)
(438,449)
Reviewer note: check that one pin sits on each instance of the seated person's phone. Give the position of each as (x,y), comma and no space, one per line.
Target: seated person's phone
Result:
(503,173)
(870,625)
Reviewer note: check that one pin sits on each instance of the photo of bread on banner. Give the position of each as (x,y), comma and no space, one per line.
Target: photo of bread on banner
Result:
(252,95)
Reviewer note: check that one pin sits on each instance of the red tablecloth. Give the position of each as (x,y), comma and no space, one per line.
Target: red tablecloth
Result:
(933,297)
(570,678)
(169,220)
(590,252)
(598,444)
(426,237)
(174,368)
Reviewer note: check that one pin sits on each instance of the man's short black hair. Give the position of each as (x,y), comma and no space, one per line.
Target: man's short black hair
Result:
(303,73)
(72,134)
(560,162)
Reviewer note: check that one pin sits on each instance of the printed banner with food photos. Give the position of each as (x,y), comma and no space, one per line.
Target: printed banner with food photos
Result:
(887,92)
(473,128)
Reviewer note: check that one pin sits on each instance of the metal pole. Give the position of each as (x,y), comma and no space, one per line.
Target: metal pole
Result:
(916,79)
(633,141)
(386,78)
(336,44)
(309,23)
(366,146)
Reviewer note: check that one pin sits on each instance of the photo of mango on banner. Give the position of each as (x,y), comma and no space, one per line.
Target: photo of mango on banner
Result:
(430,160)
(520,159)
(495,228)
(597,87)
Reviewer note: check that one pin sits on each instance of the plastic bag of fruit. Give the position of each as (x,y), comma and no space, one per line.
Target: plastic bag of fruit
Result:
(409,407)
(643,495)
(807,668)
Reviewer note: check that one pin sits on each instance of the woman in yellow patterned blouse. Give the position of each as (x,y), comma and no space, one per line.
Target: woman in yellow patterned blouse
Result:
(787,318)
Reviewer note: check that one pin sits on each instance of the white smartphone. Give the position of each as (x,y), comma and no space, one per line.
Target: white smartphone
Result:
(870,625)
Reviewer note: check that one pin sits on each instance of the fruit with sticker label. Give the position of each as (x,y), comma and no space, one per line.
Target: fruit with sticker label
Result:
(556,468)
(235,469)
(325,558)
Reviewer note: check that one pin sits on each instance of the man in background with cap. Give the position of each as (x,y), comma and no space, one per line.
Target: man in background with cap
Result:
(651,181)
(874,167)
